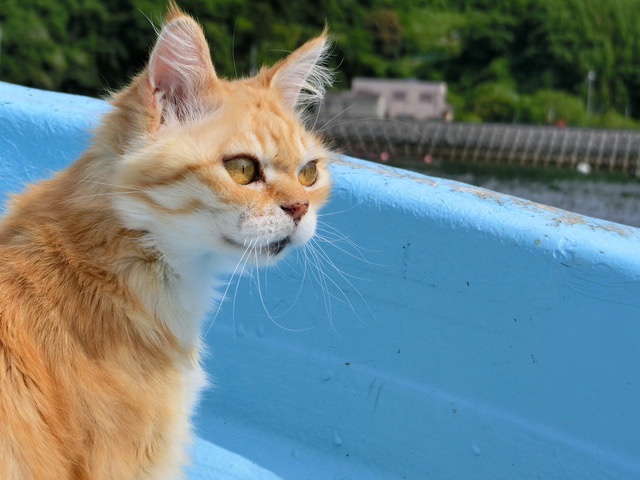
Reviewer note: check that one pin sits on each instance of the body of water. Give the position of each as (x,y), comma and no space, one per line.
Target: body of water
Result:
(611,197)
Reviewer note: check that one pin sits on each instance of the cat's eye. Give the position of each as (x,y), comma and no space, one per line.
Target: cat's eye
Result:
(308,174)
(242,170)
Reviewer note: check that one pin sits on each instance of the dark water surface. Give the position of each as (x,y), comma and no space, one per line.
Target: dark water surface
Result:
(611,197)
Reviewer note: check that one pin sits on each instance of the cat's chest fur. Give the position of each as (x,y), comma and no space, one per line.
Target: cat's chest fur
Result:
(110,392)
(108,269)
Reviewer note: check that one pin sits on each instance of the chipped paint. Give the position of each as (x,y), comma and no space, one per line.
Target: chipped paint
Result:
(563,217)
(573,219)
(482,193)
(392,172)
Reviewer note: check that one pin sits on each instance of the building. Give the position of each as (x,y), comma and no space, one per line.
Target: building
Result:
(386,98)
(354,104)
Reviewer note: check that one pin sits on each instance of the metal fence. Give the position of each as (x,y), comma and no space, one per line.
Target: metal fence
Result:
(600,149)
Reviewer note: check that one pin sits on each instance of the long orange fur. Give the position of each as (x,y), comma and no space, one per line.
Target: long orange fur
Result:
(97,375)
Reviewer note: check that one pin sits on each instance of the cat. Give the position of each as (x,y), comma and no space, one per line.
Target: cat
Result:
(108,269)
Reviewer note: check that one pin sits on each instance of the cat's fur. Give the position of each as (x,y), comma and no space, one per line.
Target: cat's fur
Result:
(107,269)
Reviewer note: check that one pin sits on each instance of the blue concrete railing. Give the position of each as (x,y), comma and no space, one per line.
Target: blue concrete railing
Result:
(469,335)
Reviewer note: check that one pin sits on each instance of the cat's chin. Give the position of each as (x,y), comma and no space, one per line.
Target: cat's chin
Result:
(270,250)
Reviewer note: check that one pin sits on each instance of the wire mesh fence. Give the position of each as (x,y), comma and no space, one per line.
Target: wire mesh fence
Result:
(546,146)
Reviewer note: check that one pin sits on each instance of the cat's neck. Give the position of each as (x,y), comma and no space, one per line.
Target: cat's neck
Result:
(187,293)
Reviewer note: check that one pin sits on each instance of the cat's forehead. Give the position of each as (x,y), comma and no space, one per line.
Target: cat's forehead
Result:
(256,123)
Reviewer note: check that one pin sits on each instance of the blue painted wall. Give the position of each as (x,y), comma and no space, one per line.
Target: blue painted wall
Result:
(436,330)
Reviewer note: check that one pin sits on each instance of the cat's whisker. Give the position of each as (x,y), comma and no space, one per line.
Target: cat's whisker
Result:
(287,260)
(266,310)
(335,242)
(315,121)
(85,180)
(314,272)
(333,118)
(329,229)
(324,255)
(249,250)
(330,262)
(235,293)
(82,197)
(300,287)
(339,212)
(334,237)
(233,47)
(323,286)
(357,256)
(224,294)
(338,235)
(279,50)
(319,109)
(155,29)
(319,259)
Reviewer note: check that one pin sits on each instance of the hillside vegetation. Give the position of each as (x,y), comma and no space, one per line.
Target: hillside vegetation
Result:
(504,60)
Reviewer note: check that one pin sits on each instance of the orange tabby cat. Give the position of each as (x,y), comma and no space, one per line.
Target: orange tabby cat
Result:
(107,270)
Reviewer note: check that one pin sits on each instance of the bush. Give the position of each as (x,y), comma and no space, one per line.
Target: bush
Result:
(493,102)
(551,107)
(613,119)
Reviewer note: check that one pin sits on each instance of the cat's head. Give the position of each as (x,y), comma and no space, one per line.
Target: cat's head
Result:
(208,165)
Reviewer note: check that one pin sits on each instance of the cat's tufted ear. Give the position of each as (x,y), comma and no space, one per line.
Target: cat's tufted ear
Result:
(302,77)
(179,68)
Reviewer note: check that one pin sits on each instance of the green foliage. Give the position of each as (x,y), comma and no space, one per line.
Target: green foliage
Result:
(553,44)
(493,102)
(552,106)
(45,45)
(507,60)
(613,119)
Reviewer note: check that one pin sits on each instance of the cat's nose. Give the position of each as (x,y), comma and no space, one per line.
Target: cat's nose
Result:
(296,210)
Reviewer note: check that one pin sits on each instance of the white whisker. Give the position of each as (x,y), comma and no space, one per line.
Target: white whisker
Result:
(304,276)
(358,257)
(323,285)
(224,294)
(332,118)
(326,276)
(82,197)
(324,255)
(266,310)
(85,180)
(339,211)
(329,229)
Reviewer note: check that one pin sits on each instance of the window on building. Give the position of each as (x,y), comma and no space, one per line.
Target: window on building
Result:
(399,95)
(426,97)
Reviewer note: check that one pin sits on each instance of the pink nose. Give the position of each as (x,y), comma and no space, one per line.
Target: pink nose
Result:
(296,210)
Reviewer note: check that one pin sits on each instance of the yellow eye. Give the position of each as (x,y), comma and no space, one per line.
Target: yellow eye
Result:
(308,174)
(241,170)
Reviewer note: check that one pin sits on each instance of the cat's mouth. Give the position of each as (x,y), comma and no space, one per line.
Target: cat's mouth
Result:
(272,249)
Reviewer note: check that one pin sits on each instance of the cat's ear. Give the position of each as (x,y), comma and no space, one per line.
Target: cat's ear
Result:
(179,67)
(302,77)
